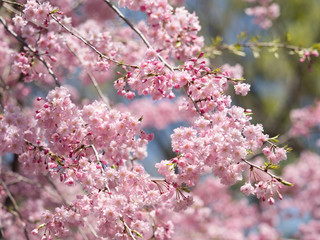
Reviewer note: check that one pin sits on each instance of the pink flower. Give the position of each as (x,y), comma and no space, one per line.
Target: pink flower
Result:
(247,189)
(242,88)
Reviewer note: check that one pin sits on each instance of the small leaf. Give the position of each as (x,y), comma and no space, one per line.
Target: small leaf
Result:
(41,226)
(242,36)
(256,52)
(286,183)
(54,10)
(288,37)
(255,39)
(217,41)
(137,233)
(274,139)
(274,167)
(238,79)
(237,49)
(316,46)
(289,149)
(215,71)
(185,189)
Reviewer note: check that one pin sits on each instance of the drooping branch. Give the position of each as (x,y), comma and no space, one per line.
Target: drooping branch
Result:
(136,30)
(93,80)
(15,206)
(127,229)
(41,59)
(279,179)
(87,43)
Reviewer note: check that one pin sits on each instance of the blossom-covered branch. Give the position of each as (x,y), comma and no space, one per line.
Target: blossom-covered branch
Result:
(48,67)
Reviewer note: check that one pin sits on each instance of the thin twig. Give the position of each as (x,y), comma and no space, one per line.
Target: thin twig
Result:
(117,11)
(13,3)
(279,179)
(10,8)
(270,44)
(20,178)
(91,228)
(128,229)
(56,189)
(16,208)
(96,154)
(253,45)
(86,42)
(32,50)
(102,96)
(65,202)
(194,103)
(93,80)
(82,233)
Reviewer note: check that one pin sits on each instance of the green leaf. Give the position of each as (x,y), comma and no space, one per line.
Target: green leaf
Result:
(137,233)
(256,52)
(185,189)
(78,149)
(238,79)
(242,36)
(215,71)
(289,149)
(273,167)
(316,46)
(286,183)
(217,41)
(237,49)
(114,166)
(288,37)
(41,226)
(54,10)
(255,39)
(274,139)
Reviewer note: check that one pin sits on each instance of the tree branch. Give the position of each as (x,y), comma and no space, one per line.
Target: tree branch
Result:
(279,179)
(93,80)
(16,208)
(136,30)
(32,50)
(86,42)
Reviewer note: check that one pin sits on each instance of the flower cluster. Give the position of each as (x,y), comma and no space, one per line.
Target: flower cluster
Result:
(304,119)
(158,116)
(14,128)
(220,141)
(78,162)
(264,12)
(172,31)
